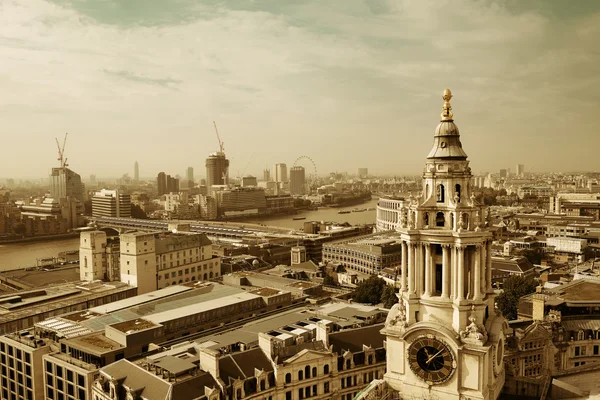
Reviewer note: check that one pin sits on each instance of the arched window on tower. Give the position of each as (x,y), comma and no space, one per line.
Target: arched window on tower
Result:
(440,193)
(451,220)
(427,191)
(440,220)
(426,219)
(457,194)
(465,218)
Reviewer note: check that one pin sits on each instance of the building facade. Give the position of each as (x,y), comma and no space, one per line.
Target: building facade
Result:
(217,170)
(279,173)
(99,257)
(444,337)
(66,183)
(297,181)
(153,261)
(368,254)
(111,203)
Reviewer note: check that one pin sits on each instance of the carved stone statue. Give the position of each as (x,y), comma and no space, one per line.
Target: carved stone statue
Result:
(473,333)
(397,316)
(403,217)
(477,221)
(461,222)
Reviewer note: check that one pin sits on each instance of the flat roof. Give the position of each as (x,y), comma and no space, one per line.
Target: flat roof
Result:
(139,299)
(83,293)
(134,325)
(201,307)
(164,305)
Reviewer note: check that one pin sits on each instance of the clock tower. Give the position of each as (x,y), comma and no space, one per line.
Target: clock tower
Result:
(444,338)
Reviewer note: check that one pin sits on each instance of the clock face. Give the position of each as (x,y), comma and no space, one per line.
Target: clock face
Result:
(431,359)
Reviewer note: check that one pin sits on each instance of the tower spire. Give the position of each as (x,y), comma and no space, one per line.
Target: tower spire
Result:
(447,108)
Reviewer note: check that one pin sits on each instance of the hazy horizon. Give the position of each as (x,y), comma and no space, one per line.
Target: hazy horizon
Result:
(348,83)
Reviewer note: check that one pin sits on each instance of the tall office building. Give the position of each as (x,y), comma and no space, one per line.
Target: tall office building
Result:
(161,182)
(520,170)
(65,183)
(279,173)
(503,173)
(363,172)
(190,174)
(92,179)
(111,203)
(266,175)
(297,181)
(136,171)
(444,337)
(217,169)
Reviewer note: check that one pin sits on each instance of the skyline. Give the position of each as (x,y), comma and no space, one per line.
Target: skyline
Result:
(298,79)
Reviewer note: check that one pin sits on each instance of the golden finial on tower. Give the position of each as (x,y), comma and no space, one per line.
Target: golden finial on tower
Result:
(447,108)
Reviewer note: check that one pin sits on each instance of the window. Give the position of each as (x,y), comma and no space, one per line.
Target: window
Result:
(440,193)
(307,371)
(457,193)
(326,369)
(314,372)
(300,375)
(326,387)
(288,378)
(576,351)
(596,350)
(440,220)
(348,364)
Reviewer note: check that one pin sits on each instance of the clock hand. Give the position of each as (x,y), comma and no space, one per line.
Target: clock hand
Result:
(430,359)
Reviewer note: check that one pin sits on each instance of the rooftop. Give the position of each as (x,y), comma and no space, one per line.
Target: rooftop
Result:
(35,302)
(134,325)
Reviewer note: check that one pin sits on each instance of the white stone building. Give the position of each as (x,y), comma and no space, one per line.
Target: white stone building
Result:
(444,337)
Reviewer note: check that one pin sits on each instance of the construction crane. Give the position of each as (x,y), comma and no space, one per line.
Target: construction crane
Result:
(221,143)
(61,152)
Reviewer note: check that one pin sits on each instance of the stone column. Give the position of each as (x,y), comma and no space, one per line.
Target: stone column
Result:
(477,273)
(488,267)
(445,269)
(418,258)
(403,278)
(427,269)
(411,267)
(460,266)
(453,273)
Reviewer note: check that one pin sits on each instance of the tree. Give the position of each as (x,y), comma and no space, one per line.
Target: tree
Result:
(137,212)
(87,207)
(329,281)
(514,287)
(370,290)
(19,228)
(388,296)
(534,256)
(340,268)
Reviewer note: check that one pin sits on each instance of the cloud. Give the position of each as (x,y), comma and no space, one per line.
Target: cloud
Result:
(165,82)
(343,81)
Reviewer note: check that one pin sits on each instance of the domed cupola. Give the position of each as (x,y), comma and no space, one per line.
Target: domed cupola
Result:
(446,141)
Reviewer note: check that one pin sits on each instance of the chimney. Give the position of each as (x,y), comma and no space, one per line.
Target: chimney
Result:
(209,362)
(323,330)
(539,300)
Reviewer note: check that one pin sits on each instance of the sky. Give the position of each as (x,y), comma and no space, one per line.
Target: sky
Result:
(347,83)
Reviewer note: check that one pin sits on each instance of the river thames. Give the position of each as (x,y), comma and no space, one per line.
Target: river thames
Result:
(21,255)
